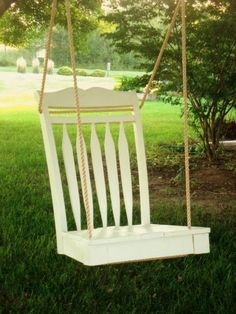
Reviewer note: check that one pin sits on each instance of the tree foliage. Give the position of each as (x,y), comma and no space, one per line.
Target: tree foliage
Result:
(211,44)
(25,20)
(100,50)
(93,51)
(4,5)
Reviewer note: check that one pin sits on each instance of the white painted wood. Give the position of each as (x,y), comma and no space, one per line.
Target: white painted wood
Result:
(88,180)
(142,168)
(71,177)
(201,243)
(90,120)
(229,145)
(125,172)
(117,245)
(99,177)
(113,181)
(110,244)
(95,97)
(55,180)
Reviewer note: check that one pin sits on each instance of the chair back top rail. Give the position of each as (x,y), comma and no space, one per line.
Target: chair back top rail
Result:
(94,98)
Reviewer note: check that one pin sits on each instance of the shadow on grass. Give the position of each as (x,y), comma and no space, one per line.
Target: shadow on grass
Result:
(34,279)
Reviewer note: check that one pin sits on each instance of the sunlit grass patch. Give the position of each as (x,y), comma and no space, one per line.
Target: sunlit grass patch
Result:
(17,103)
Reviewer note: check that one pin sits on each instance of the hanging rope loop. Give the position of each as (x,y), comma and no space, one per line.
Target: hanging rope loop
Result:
(80,136)
(180,5)
(185,103)
(76,91)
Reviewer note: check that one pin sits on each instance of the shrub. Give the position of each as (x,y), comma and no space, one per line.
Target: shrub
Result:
(127,84)
(65,70)
(35,65)
(81,72)
(21,65)
(6,63)
(98,73)
(137,83)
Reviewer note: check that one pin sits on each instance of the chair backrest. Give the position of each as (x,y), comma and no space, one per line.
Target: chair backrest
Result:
(105,107)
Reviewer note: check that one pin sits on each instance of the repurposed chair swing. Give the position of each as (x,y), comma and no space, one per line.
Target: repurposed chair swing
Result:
(117,243)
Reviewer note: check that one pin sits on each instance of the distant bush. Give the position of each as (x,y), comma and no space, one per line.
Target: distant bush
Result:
(6,63)
(64,71)
(21,65)
(98,73)
(81,72)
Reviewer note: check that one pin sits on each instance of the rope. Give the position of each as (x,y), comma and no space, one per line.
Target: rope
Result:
(185,103)
(81,144)
(53,14)
(158,61)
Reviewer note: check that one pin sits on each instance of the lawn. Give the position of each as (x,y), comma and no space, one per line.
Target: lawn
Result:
(34,279)
(112,73)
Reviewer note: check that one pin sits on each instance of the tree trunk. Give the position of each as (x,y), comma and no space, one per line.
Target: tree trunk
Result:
(211,139)
(208,147)
(4,5)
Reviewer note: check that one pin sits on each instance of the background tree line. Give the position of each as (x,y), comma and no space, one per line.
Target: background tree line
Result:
(25,25)
(133,37)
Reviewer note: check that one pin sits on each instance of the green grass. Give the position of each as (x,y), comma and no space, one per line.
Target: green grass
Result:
(126,73)
(118,74)
(162,123)
(11,69)
(112,73)
(33,279)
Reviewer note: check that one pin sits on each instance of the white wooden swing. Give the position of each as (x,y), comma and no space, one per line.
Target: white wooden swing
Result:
(108,244)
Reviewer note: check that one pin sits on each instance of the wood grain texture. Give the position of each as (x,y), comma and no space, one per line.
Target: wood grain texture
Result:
(95,97)
(55,179)
(69,162)
(99,177)
(113,181)
(142,169)
(125,172)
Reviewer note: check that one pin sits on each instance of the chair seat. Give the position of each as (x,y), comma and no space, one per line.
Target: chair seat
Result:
(121,244)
